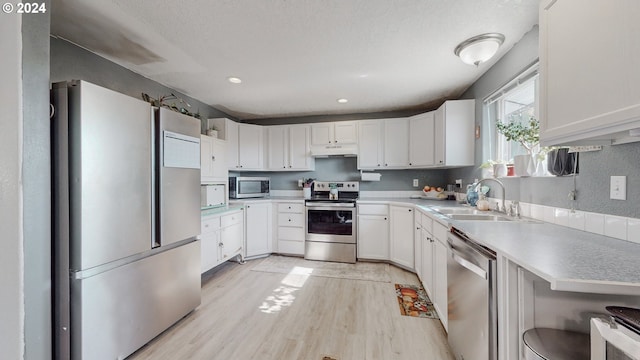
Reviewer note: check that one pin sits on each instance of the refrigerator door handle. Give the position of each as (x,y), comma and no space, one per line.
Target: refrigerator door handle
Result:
(154,149)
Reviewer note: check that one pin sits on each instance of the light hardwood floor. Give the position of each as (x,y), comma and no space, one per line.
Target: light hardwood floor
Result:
(258,315)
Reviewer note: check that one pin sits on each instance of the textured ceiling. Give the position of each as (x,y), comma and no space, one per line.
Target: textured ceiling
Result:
(296,57)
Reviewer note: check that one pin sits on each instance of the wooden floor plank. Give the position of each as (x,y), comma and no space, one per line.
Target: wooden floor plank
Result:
(258,315)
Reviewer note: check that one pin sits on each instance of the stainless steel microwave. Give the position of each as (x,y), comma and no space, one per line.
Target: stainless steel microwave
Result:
(248,187)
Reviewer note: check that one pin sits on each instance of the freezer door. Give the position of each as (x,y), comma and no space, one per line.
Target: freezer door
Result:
(179,180)
(110,175)
(116,312)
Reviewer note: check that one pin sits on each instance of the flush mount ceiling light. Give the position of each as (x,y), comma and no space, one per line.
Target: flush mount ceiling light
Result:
(234,80)
(342,101)
(479,49)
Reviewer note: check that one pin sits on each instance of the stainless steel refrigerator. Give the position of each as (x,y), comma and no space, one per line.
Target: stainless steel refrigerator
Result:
(126,195)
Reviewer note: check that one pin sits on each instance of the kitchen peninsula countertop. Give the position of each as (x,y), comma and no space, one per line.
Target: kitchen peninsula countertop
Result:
(568,259)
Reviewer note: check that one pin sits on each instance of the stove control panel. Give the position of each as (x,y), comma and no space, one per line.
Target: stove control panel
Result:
(341,185)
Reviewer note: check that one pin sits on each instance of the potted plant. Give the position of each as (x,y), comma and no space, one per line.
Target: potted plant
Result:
(528,135)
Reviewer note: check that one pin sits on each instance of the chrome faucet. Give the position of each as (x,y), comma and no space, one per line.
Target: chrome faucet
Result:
(477,185)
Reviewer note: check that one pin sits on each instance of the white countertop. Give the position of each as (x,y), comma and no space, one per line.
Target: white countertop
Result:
(569,259)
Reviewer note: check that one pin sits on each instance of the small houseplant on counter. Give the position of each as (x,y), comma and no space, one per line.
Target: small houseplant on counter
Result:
(528,135)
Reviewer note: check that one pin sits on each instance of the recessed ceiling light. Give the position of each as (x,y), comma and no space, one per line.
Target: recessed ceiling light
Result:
(234,80)
(342,101)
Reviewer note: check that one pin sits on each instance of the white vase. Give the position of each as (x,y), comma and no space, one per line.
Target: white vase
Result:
(524,165)
(499,170)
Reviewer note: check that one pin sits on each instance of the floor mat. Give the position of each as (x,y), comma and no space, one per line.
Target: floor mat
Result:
(413,301)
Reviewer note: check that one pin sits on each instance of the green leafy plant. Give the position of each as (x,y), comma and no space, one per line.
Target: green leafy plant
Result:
(528,135)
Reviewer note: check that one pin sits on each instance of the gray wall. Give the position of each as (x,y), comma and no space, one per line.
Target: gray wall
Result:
(595,167)
(69,62)
(344,169)
(37,187)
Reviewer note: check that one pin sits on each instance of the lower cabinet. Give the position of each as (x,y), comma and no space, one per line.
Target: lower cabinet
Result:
(221,239)
(290,231)
(440,272)
(433,274)
(259,228)
(373,231)
(231,236)
(402,252)
(210,230)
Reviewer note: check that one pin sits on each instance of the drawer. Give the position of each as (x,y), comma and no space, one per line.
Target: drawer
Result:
(231,219)
(291,247)
(440,232)
(291,208)
(290,233)
(291,219)
(427,223)
(209,224)
(373,209)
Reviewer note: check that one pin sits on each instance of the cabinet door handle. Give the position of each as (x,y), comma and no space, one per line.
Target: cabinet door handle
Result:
(378,164)
(220,244)
(409,210)
(386,164)
(289,207)
(213,158)
(289,220)
(385,218)
(410,164)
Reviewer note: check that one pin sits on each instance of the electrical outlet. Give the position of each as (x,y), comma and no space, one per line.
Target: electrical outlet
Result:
(618,190)
(300,182)
(415,183)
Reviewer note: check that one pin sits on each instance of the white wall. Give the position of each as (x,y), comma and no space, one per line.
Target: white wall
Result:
(11,238)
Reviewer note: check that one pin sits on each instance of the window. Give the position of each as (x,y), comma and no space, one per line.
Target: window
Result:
(515,102)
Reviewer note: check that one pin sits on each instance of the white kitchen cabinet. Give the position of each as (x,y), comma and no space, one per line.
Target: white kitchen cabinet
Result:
(213,160)
(340,132)
(417,243)
(258,229)
(454,129)
(290,232)
(288,148)
(589,78)
(370,144)
(402,236)
(209,240)
(245,144)
(421,140)
(231,236)
(396,143)
(250,147)
(427,263)
(373,231)
(440,271)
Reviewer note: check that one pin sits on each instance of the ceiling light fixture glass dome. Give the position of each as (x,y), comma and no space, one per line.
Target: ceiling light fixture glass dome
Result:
(479,49)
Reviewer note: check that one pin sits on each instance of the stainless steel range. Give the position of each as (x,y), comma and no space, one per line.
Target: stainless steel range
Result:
(330,230)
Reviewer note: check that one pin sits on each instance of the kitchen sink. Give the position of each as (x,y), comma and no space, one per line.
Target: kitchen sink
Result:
(460,210)
(480,217)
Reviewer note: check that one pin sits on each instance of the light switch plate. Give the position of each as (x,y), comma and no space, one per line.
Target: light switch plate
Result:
(618,190)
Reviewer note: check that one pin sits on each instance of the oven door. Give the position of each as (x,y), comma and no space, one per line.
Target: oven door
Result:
(326,222)
(612,341)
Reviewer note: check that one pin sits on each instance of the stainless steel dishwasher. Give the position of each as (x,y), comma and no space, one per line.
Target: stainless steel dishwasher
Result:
(472,303)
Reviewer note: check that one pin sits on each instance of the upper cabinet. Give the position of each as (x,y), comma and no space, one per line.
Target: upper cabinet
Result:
(213,161)
(421,140)
(454,143)
(589,78)
(370,144)
(396,143)
(441,138)
(288,148)
(245,146)
(341,132)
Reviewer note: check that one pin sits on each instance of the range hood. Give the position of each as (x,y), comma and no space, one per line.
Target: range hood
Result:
(334,150)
